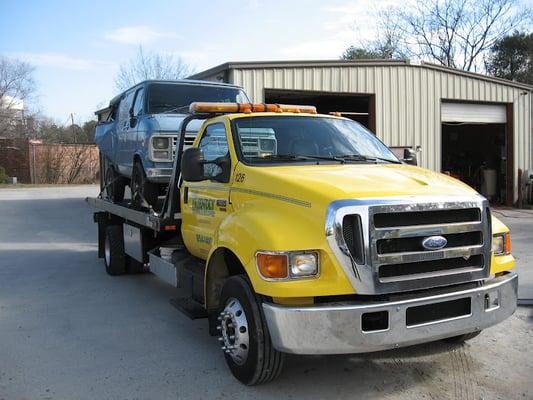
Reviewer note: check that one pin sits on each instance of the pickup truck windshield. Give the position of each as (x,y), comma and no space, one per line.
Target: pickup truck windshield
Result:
(296,139)
(176,98)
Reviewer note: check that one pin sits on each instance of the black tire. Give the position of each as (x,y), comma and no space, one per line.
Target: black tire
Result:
(115,184)
(141,187)
(263,362)
(133,266)
(114,255)
(462,338)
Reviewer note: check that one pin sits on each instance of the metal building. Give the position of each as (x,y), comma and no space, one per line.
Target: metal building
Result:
(472,126)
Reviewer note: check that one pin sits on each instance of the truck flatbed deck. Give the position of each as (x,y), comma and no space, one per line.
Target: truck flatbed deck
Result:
(146,218)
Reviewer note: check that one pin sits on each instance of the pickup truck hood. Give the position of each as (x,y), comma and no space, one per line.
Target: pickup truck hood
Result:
(171,123)
(350,181)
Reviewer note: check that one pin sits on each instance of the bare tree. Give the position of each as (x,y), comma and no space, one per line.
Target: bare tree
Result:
(148,65)
(17,86)
(453,33)
(459,33)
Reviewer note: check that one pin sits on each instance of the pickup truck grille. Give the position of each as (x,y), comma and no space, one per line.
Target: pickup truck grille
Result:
(189,140)
(379,243)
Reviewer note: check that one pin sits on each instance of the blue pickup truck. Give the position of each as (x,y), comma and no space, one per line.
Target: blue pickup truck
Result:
(137,134)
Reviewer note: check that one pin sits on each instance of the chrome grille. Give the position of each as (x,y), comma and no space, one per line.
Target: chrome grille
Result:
(392,231)
(189,140)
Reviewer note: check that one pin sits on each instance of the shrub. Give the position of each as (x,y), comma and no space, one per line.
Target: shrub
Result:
(3,175)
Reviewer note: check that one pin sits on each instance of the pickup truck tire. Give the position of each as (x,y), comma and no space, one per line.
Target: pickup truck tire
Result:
(141,187)
(241,309)
(115,184)
(114,255)
(462,338)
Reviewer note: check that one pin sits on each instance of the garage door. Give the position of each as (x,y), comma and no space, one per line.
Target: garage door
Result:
(474,113)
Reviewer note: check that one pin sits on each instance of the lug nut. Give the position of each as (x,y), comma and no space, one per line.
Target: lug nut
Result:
(232,337)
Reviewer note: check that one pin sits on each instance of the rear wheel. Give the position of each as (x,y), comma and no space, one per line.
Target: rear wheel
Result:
(115,184)
(114,255)
(244,334)
(462,338)
(141,188)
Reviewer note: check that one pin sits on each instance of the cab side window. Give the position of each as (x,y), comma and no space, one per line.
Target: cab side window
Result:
(139,102)
(214,144)
(124,109)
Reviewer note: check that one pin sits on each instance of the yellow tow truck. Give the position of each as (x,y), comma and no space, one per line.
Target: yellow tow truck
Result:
(295,232)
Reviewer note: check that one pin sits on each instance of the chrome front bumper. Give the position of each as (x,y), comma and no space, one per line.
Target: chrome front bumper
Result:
(159,175)
(336,328)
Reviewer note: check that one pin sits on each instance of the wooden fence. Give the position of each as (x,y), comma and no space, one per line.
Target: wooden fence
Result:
(36,162)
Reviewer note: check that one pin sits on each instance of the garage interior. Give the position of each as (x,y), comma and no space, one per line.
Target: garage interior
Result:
(358,107)
(475,148)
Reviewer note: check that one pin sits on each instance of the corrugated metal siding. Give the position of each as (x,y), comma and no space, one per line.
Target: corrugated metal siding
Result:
(408,100)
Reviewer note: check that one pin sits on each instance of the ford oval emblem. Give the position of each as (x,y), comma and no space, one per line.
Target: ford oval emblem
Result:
(434,242)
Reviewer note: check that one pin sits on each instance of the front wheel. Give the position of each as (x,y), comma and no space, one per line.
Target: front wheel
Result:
(141,188)
(114,183)
(244,334)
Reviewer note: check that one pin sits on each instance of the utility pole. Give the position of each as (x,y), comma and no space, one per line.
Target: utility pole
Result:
(72,127)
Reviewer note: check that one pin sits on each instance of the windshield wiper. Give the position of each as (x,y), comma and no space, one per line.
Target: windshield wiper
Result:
(360,157)
(301,157)
(175,109)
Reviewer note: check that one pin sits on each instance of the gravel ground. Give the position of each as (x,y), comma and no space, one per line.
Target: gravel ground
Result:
(69,331)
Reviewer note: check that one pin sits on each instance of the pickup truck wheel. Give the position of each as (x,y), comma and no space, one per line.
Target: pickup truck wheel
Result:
(115,184)
(244,334)
(114,255)
(462,338)
(141,187)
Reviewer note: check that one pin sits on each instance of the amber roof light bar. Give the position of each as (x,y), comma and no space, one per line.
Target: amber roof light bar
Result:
(247,108)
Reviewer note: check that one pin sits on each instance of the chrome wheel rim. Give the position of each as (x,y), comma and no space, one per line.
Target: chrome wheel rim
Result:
(234,333)
(107,251)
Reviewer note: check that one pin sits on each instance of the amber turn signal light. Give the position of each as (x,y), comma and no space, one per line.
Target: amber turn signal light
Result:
(272,266)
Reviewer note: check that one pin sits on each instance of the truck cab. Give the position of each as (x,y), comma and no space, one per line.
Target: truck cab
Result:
(302,233)
(137,133)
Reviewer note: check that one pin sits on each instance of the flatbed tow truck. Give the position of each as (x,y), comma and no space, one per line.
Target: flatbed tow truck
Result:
(289,248)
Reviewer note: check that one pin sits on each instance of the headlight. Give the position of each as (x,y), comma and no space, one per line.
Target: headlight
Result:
(160,143)
(501,244)
(161,155)
(287,265)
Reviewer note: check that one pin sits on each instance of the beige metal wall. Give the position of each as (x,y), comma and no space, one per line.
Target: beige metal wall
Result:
(408,99)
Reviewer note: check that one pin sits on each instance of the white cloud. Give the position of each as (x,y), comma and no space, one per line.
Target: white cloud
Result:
(58,60)
(140,34)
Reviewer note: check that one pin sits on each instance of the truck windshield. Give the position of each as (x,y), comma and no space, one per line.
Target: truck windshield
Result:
(284,139)
(176,98)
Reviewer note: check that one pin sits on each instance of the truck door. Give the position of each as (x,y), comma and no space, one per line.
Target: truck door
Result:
(136,126)
(124,150)
(205,204)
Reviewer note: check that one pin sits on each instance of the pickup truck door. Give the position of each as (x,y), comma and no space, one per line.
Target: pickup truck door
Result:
(205,204)
(124,149)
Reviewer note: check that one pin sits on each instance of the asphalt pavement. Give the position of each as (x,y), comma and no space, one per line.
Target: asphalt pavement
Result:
(70,331)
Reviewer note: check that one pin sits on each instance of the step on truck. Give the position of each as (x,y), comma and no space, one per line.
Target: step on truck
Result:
(295,232)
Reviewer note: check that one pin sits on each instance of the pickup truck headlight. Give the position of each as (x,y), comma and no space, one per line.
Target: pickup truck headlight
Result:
(160,148)
(161,143)
(287,265)
(501,244)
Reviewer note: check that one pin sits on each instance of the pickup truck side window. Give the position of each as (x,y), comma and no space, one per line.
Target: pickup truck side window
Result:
(214,144)
(124,109)
(139,101)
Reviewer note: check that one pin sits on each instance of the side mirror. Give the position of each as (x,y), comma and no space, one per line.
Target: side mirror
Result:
(192,165)
(133,118)
(409,157)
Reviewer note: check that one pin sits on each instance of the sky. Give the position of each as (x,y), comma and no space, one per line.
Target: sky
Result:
(78,46)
